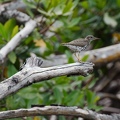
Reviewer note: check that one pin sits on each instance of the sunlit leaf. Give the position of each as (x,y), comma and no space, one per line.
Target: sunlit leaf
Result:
(15,31)
(118,3)
(9,26)
(36,118)
(68,6)
(43,12)
(58,10)
(3,32)
(40,43)
(84,4)
(85,58)
(109,20)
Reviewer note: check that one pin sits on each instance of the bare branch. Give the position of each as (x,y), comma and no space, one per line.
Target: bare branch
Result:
(32,73)
(104,55)
(14,5)
(57,110)
(7,11)
(15,41)
(98,56)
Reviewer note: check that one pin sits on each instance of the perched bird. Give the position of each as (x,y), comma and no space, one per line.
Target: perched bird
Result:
(80,44)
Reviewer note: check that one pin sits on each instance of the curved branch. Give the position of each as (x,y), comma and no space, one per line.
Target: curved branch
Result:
(98,56)
(57,110)
(32,73)
(104,55)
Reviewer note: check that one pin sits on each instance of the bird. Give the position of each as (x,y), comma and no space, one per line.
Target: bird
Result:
(80,44)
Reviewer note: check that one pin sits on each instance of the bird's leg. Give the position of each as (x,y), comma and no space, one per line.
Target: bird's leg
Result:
(77,56)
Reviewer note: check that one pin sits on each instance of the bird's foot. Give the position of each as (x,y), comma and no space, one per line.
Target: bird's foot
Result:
(80,61)
(88,63)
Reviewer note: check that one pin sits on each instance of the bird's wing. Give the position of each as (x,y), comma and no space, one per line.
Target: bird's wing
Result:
(78,42)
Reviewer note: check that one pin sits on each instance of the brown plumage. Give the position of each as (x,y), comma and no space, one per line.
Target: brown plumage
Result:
(80,44)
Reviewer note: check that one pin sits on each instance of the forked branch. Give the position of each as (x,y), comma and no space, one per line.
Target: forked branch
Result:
(32,73)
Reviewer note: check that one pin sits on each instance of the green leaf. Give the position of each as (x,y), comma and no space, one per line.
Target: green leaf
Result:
(47,4)
(75,3)
(3,32)
(70,60)
(30,4)
(58,10)
(85,4)
(68,54)
(12,57)
(28,40)
(89,95)
(2,42)
(73,98)
(85,58)
(68,7)
(118,2)
(91,98)
(49,45)
(43,12)
(61,117)
(11,70)
(101,4)
(58,95)
(74,22)
(15,31)
(46,98)
(28,93)
(30,12)
(9,25)
(91,2)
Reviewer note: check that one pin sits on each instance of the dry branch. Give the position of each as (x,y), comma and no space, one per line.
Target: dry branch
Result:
(104,55)
(15,41)
(98,56)
(57,110)
(32,73)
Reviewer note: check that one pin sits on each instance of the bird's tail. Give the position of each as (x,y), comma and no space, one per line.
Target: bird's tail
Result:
(64,44)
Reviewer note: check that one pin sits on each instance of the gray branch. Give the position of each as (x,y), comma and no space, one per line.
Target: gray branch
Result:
(32,73)
(15,41)
(57,110)
(98,56)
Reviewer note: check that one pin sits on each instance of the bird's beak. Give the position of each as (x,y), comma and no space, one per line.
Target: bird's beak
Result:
(97,38)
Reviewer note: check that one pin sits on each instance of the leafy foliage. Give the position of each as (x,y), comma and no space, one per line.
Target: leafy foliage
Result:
(61,21)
